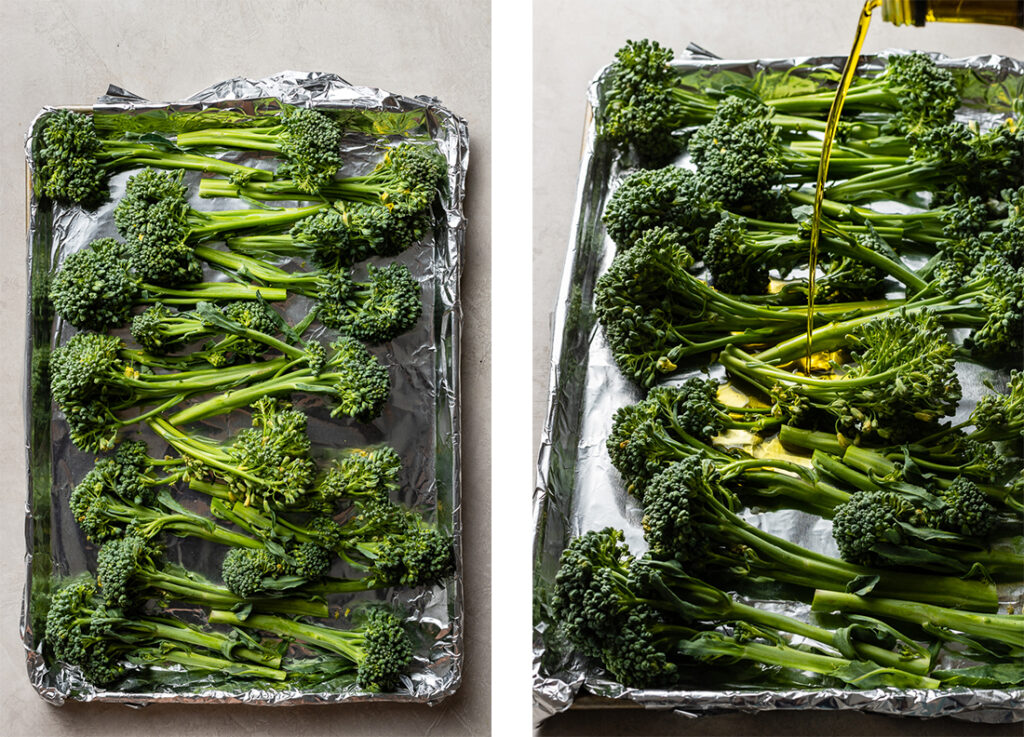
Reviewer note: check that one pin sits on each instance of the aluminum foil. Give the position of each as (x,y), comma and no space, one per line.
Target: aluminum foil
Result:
(421,420)
(578,489)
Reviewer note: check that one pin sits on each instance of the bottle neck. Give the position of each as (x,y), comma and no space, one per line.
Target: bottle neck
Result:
(919,12)
(904,12)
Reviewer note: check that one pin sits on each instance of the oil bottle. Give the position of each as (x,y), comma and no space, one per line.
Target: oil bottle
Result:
(919,12)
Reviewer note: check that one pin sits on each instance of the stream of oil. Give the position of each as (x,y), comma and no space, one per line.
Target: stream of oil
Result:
(826,153)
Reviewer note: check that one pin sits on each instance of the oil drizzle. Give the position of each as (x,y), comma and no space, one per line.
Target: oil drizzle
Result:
(826,153)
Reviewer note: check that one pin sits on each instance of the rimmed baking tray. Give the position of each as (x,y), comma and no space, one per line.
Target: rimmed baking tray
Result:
(421,419)
(577,487)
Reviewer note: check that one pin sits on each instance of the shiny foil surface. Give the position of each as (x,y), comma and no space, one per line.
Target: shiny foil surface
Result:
(421,419)
(578,489)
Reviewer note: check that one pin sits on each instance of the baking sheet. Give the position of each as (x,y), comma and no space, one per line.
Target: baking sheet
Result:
(577,487)
(421,419)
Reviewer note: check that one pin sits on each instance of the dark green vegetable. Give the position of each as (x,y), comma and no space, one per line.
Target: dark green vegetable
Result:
(379,649)
(72,163)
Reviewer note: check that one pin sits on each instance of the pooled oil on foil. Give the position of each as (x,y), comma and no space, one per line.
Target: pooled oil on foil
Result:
(577,487)
(421,419)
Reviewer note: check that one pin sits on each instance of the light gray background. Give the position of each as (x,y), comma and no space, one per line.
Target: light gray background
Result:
(573,39)
(55,52)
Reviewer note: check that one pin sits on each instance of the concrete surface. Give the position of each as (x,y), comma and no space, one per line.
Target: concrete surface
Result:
(63,52)
(572,40)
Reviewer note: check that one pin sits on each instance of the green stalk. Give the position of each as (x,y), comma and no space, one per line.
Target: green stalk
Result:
(217,597)
(344,643)
(194,661)
(170,630)
(788,657)
(872,94)
(254,139)
(209,223)
(795,564)
(834,467)
(300,283)
(810,440)
(916,176)
(1006,628)
(294,381)
(124,154)
(208,292)
(782,623)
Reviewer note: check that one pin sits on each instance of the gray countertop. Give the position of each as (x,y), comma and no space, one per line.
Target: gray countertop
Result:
(55,52)
(573,39)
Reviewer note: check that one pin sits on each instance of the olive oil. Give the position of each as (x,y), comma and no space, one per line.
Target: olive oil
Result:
(826,152)
(919,12)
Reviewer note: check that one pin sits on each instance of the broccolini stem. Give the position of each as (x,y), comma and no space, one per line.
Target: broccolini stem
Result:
(788,657)
(1007,628)
(795,564)
(207,594)
(782,623)
(337,641)
(207,292)
(294,381)
(120,154)
(169,630)
(256,139)
(209,223)
(810,440)
(834,467)
(195,661)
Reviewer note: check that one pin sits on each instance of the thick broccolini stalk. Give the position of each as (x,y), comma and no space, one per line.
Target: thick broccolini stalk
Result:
(308,140)
(639,615)
(95,288)
(352,377)
(131,570)
(406,180)
(380,648)
(343,234)
(268,465)
(159,331)
(983,635)
(81,631)
(72,163)
(376,311)
(159,226)
(934,462)
(688,515)
(94,377)
(903,376)
(947,160)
